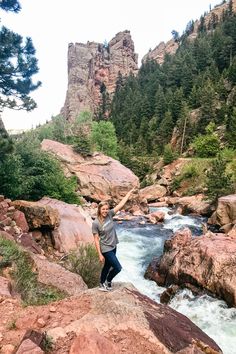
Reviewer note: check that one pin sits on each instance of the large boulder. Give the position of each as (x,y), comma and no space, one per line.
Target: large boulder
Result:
(75,225)
(55,275)
(99,177)
(153,192)
(208,261)
(225,214)
(38,215)
(121,321)
(195,204)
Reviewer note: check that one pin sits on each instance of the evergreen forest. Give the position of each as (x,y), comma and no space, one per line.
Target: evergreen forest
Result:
(192,94)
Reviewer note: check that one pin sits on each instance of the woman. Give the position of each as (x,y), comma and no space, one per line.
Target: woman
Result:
(105,239)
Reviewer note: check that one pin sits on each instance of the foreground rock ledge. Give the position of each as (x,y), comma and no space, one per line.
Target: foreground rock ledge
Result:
(104,323)
(208,261)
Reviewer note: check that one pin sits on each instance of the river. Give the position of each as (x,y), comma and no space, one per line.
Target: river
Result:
(140,243)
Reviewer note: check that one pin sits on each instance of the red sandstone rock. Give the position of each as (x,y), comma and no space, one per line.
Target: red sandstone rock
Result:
(20,220)
(28,242)
(92,66)
(158,204)
(7,349)
(232,232)
(122,317)
(100,177)
(194,204)
(158,215)
(75,225)
(207,261)
(225,212)
(29,347)
(53,274)
(38,215)
(92,342)
(153,192)
(5,288)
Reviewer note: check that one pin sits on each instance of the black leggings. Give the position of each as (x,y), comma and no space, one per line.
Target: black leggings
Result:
(111,266)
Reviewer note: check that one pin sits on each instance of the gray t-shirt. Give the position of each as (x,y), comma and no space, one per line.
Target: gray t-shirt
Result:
(106,232)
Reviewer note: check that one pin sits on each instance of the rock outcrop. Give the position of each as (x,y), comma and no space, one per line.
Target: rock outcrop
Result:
(55,275)
(170,47)
(12,220)
(105,323)
(74,228)
(195,204)
(38,215)
(159,52)
(99,177)
(93,70)
(153,192)
(225,214)
(208,262)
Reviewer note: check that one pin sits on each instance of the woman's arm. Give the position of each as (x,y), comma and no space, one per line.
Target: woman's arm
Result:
(123,201)
(97,245)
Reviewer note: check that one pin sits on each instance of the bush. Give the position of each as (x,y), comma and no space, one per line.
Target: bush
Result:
(85,262)
(192,177)
(83,145)
(32,293)
(207,145)
(219,182)
(228,154)
(169,155)
(31,174)
(104,138)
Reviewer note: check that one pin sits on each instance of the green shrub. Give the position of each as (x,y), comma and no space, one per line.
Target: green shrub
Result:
(193,175)
(228,154)
(219,181)
(190,171)
(31,174)
(85,262)
(207,145)
(47,344)
(83,145)
(169,155)
(25,280)
(104,138)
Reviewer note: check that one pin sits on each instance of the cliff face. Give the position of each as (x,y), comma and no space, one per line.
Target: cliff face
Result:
(170,47)
(93,69)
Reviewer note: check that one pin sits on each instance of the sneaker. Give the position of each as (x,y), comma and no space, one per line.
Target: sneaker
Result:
(102,287)
(109,285)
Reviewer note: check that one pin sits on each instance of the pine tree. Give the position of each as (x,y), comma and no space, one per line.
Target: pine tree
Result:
(17,66)
(208,105)
(218,181)
(231,129)
(160,103)
(6,143)
(165,130)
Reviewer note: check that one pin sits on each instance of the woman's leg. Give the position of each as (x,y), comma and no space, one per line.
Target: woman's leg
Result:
(105,269)
(115,264)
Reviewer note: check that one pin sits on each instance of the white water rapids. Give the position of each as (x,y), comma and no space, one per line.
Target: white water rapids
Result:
(140,243)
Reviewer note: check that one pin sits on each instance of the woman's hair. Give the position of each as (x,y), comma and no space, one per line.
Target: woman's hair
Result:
(100,205)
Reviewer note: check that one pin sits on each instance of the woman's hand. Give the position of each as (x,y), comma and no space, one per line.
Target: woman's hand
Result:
(101,258)
(132,190)
(124,200)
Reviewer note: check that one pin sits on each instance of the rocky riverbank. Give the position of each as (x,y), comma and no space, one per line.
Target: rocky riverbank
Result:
(206,262)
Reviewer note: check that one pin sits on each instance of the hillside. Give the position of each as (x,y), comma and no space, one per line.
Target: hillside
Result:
(176,101)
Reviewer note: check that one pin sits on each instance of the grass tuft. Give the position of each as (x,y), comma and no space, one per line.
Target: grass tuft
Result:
(85,262)
(25,280)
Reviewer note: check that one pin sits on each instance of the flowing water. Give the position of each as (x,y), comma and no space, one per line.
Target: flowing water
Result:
(140,243)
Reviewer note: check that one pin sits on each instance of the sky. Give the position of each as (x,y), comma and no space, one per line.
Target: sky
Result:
(53,24)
